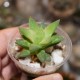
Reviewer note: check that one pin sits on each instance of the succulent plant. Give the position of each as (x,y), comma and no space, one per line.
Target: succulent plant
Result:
(36,38)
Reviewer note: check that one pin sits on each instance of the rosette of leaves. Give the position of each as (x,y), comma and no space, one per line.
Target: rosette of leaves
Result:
(36,38)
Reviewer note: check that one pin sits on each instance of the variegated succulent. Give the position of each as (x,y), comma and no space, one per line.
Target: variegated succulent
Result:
(36,38)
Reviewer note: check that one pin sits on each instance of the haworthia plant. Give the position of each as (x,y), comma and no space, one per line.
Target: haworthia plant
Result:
(36,38)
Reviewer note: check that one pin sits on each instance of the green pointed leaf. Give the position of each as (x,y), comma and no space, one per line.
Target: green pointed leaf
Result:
(27,33)
(45,41)
(33,25)
(38,30)
(39,35)
(34,48)
(50,29)
(56,39)
(52,41)
(23,43)
(23,54)
(43,56)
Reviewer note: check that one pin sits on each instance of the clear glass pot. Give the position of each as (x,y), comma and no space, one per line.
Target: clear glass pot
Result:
(40,71)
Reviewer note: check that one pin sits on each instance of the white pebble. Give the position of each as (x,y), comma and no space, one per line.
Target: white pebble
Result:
(57,59)
(27,63)
(57,51)
(36,65)
(16,48)
(63,47)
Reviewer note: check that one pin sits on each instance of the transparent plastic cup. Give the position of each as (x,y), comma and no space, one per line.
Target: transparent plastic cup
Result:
(32,71)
